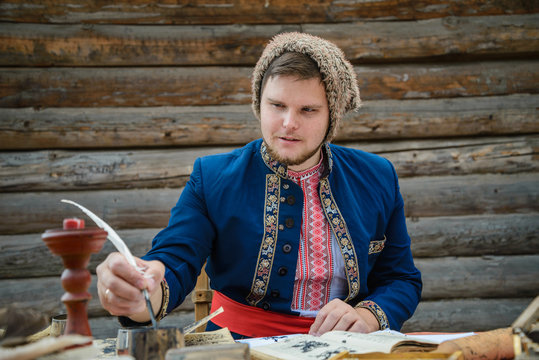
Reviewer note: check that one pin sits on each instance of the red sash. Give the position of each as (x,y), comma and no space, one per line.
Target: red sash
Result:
(255,322)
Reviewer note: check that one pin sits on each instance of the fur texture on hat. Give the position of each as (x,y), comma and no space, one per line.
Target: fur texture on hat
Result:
(337,73)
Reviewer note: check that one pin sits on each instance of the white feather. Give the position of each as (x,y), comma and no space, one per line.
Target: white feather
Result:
(112,235)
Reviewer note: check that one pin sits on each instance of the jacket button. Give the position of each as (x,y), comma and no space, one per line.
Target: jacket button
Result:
(275,293)
(283,199)
(283,271)
(266,306)
(287,248)
(291,200)
(289,222)
(286,186)
(281,227)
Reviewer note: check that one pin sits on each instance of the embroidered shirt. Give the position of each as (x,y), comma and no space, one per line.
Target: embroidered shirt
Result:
(320,268)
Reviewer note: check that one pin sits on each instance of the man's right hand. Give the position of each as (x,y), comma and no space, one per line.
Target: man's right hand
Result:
(120,285)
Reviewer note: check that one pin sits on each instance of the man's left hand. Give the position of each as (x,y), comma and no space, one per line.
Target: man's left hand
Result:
(338,315)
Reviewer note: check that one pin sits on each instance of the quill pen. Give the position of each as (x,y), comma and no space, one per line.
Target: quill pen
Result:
(122,248)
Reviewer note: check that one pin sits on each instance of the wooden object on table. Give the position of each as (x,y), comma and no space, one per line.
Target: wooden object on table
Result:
(145,343)
(526,332)
(43,347)
(202,297)
(529,316)
(74,244)
(19,323)
(494,344)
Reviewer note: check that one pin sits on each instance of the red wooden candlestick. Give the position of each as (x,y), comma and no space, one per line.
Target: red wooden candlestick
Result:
(74,244)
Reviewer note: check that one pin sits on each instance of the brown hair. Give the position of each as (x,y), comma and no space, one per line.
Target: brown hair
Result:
(291,64)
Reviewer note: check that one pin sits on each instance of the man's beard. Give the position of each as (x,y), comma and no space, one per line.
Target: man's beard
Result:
(300,159)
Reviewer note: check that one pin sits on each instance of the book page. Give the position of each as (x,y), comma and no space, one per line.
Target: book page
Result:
(267,340)
(331,343)
(359,343)
(428,337)
(304,347)
(440,338)
(394,341)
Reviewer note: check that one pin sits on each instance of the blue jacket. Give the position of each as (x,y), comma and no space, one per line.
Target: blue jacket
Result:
(241,213)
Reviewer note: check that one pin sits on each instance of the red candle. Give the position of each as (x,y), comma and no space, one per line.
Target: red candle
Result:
(73,223)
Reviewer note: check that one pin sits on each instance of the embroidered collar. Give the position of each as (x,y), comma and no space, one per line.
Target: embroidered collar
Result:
(282,169)
(305,174)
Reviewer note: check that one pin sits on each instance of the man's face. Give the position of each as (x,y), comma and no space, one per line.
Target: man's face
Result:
(294,118)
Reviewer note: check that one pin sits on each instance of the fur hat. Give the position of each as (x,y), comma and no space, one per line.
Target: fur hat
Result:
(337,73)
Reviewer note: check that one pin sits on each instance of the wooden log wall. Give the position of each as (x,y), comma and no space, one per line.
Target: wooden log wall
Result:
(109,104)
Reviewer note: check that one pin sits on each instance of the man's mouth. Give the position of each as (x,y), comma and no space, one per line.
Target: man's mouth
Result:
(288,138)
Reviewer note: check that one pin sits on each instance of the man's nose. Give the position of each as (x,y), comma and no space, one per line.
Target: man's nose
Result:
(290,120)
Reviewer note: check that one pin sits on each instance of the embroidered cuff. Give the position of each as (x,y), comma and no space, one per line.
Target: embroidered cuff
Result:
(164,300)
(377,311)
(376,246)
(127,322)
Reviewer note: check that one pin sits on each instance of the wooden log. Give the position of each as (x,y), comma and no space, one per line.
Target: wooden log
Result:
(167,86)
(128,209)
(513,234)
(464,315)
(29,128)
(57,128)
(18,253)
(160,86)
(149,208)
(126,127)
(464,156)
(486,276)
(140,45)
(470,195)
(64,170)
(104,327)
(438,118)
(70,170)
(471,235)
(362,42)
(447,38)
(22,293)
(245,12)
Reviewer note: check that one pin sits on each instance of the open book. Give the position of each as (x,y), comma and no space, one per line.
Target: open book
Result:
(306,347)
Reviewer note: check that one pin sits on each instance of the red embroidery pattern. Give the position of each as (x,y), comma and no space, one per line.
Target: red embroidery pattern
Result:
(314,269)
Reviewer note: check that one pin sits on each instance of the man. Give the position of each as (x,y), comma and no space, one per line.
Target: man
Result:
(299,235)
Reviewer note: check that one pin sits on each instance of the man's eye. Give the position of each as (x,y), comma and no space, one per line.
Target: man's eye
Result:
(278,105)
(307,109)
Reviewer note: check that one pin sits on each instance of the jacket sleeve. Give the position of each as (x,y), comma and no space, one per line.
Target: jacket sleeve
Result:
(184,245)
(394,282)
